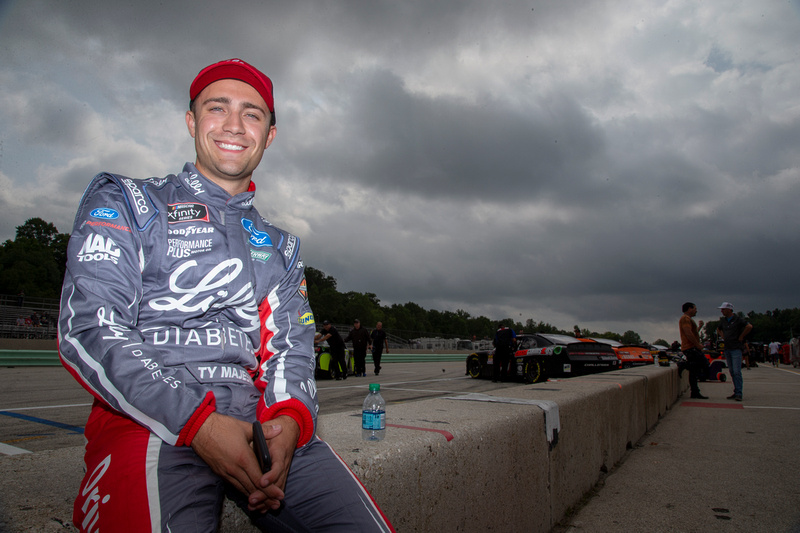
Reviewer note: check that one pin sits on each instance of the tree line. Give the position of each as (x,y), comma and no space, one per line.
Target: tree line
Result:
(35,262)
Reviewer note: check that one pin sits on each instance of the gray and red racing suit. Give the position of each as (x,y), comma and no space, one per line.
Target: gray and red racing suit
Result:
(180,300)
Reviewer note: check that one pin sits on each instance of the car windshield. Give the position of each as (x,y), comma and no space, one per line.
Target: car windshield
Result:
(560,339)
(607,341)
(526,343)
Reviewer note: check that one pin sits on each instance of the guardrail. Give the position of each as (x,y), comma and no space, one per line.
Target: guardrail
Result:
(50,357)
(29,358)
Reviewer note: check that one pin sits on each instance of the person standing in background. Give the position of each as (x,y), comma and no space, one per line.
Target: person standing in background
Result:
(503,342)
(774,352)
(378,340)
(360,338)
(733,329)
(692,348)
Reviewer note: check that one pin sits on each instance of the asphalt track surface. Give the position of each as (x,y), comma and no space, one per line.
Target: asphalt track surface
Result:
(44,408)
(708,466)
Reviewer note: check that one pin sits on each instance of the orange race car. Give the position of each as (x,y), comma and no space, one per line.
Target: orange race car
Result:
(629,354)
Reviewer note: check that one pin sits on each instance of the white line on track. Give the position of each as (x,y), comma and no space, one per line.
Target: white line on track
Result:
(7,449)
(788,370)
(392,384)
(770,407)
(425,390)
(46,407)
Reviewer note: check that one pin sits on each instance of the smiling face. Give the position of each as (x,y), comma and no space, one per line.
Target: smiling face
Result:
(230,123)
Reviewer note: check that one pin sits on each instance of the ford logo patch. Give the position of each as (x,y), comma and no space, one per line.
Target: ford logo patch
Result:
(257,238)
(104,212)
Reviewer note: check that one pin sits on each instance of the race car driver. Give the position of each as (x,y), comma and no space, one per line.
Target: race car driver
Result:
(185,314)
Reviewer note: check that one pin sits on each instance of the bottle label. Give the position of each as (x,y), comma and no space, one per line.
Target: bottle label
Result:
(373,420)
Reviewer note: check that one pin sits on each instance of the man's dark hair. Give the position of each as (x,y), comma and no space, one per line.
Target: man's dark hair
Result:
(687,306)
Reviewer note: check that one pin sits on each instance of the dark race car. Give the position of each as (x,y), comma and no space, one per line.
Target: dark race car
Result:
(540,356)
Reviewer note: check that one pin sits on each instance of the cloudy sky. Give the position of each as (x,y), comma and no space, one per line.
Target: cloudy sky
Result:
(575,162)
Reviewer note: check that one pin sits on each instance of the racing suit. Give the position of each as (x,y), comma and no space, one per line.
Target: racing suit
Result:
(178,301)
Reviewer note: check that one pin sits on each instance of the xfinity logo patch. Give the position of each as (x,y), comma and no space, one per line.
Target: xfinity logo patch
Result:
(190,212)
(104,212)
(258,238)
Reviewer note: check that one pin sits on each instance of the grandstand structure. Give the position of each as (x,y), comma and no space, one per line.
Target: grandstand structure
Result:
(28,318)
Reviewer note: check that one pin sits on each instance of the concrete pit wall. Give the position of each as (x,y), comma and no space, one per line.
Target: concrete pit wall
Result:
(443,471)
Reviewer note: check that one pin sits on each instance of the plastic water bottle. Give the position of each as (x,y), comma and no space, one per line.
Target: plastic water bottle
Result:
(373,414)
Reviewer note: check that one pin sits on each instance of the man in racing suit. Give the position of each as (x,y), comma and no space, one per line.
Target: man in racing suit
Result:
(185,314)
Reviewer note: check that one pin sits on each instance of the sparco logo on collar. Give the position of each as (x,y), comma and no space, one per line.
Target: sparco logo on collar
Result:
(104,212)
(190,212)
(290,244)
(138,196)
(257,238)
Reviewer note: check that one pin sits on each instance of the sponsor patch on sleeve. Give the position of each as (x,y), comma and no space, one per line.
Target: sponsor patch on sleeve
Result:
(104,213)
(306,319)
(260,255)
(303,290)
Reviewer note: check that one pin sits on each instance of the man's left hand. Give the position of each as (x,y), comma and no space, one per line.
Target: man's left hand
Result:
(282,434)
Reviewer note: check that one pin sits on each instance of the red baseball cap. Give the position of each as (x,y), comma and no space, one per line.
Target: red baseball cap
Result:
(234,69)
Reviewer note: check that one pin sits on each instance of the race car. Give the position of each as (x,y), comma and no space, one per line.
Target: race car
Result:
(713,369)
(716,367)
(629,355)
(540,356)
(661,354)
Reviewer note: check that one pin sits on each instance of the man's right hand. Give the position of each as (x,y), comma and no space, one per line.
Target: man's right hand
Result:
(223,443)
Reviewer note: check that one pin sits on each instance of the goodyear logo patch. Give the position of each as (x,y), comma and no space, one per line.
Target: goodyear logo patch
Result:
(306,319)
(259,255)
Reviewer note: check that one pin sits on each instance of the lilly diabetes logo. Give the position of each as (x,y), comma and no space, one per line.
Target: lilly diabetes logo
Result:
(105,213)
(257,238)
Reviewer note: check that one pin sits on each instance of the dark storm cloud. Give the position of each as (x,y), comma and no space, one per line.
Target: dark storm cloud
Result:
(447,146)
